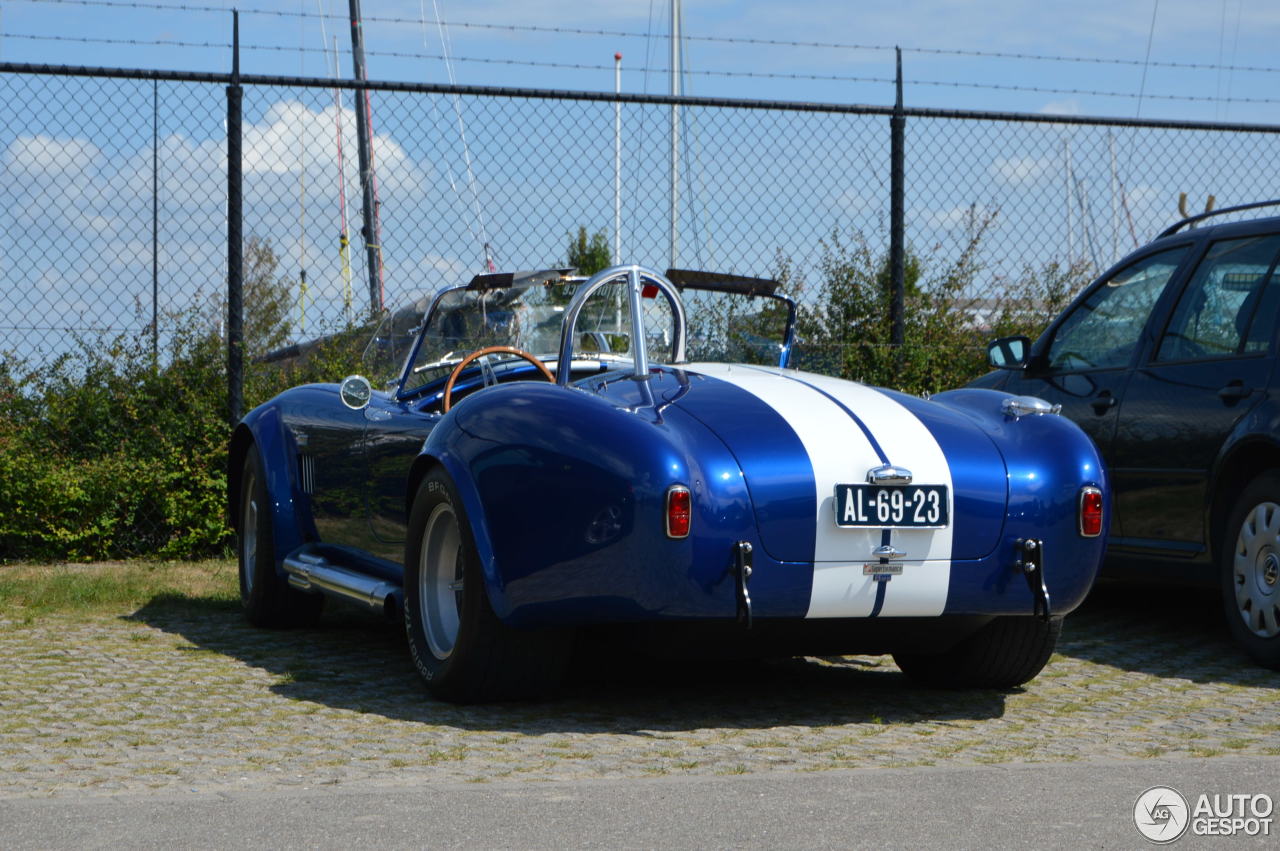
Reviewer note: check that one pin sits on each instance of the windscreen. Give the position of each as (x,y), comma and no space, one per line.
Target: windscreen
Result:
(732,328)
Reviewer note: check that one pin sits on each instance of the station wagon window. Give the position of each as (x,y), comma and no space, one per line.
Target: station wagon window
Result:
(1103,331)
(1219,313)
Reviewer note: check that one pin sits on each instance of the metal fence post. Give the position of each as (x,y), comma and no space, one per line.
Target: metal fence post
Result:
(235,243)
(897,222)
(155,222)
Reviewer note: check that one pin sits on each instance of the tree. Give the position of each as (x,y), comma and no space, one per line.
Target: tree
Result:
(268,302)
(589,254)
(844,324)
(268,299)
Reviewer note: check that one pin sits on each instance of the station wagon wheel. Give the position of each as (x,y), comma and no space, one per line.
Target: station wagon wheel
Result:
(267,598)
(1250,570)
(447,402)
(459,646)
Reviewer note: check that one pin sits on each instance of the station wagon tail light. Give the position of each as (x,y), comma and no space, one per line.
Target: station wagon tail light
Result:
(1090,512)
(679,511)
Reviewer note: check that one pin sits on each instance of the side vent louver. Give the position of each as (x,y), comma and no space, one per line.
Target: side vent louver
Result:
(307,473)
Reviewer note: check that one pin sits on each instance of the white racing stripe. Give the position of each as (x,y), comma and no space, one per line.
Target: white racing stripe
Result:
(921,590)
(840,453)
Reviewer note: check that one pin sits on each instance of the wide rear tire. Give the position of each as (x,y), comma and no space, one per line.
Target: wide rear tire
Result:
(1005,653)
(459,646)
(267,598)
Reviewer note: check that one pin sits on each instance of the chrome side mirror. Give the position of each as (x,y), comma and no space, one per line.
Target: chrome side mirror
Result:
(355,392)
(1009,352)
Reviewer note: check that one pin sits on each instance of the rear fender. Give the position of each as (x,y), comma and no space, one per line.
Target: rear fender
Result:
(446,448)
(566,495)
(1249,450)
(1044,494)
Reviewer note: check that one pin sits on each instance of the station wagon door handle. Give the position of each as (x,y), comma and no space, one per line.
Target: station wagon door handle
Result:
(1103,402)
(1234,392)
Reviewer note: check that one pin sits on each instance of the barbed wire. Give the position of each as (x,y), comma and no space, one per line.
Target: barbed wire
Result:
(574,66)
(533,63)
(742,40)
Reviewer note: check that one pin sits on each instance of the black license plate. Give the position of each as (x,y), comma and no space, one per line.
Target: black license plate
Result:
(892,506)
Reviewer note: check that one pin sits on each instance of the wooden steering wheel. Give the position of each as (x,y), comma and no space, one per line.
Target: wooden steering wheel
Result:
(489,350)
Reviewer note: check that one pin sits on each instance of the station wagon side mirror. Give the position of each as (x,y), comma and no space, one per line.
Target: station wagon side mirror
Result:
(355,391)
(1009,352)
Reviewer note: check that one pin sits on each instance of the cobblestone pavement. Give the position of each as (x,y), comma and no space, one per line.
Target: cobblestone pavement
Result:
(182,697)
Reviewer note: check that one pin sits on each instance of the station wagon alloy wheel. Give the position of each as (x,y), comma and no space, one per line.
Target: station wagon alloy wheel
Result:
(440,580)
(1256,570)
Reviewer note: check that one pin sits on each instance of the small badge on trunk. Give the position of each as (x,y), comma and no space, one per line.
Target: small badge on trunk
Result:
(882,570)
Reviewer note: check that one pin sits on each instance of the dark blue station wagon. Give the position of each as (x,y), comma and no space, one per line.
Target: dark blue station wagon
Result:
(1168,362)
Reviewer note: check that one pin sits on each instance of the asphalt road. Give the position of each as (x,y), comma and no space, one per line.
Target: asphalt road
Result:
(1004,806)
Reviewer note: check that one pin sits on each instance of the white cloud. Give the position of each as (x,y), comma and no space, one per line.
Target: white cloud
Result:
(1070,106)
(45,156)
(854,201)
(958,218)
(1020,171)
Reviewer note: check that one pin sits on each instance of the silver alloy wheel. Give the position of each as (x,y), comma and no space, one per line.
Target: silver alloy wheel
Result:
(440,580)
(1256,570)
(249,533)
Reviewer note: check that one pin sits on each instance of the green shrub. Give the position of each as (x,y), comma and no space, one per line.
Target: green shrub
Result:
(107,453)
(845,316)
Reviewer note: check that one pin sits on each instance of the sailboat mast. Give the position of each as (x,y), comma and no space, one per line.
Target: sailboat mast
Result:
(344,240)
(675,134)
(364,151)
(617,159)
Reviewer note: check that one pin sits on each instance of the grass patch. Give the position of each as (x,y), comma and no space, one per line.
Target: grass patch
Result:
(113,588)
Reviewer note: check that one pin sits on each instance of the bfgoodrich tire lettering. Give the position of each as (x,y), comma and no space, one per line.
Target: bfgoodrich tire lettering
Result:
(1249,569)
(268,600)
(1005,653)
(458,645)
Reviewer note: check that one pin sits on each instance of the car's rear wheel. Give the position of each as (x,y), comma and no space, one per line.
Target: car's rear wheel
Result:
(1249,566)
(460,647)
(1005,653)
(268,600)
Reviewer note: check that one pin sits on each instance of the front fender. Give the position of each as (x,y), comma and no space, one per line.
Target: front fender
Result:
(264,428)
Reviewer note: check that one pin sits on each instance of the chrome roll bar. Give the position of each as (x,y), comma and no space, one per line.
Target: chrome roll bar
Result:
(636,277)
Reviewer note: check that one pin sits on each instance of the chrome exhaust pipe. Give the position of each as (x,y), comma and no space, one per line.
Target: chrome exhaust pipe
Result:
(310,572)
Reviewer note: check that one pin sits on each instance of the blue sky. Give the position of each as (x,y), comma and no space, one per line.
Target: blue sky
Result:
(1110,37)
(75,168)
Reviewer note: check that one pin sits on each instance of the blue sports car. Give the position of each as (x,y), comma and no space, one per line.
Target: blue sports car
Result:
(535,457)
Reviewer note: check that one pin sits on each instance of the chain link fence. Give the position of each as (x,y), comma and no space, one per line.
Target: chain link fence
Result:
(114,203)
(114,195)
